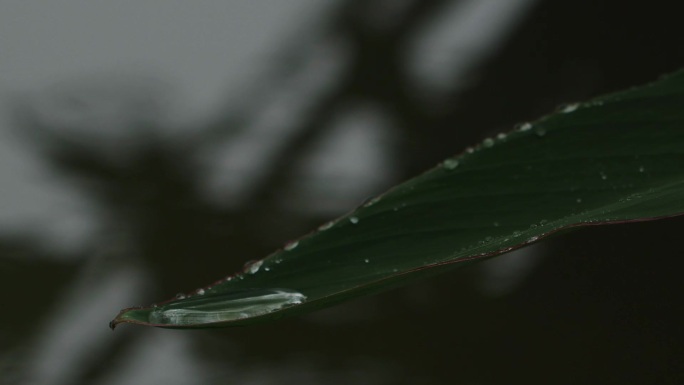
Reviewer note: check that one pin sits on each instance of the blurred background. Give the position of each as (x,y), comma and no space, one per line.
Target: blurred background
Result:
(149,148)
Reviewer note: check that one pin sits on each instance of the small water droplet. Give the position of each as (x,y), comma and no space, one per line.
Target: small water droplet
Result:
(200,291)
(450,164)
(354,220)
(371,201)
(603,176)
(496,224)
(532,239)
(568,108)
(540,131)
(267,268)
(488,142)
(516,234)
(180,296)
(543,222)
(579,200)
(470,150)
(291,246)
(501,136)
(253,266)
(524,126)
(641,169)
(366,260)
(326,226)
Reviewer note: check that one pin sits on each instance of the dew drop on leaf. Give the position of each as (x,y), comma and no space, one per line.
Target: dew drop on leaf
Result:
(326,226)
(291,246)
(450,164)
(524,126)
(568,108)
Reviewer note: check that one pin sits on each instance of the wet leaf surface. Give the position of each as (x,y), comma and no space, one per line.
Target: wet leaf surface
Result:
(614,159)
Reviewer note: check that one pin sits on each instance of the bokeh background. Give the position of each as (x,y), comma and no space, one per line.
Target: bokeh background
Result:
(151,147)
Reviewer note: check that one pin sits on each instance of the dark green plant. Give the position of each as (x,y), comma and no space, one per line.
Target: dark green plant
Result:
(613,159)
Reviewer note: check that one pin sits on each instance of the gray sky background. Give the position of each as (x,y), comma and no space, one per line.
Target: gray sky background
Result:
(200,49)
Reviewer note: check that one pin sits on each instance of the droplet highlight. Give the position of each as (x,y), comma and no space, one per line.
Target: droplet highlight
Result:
(291,245)
(354,220)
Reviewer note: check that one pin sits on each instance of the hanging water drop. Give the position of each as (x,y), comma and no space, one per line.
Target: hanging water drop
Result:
(291,246)
(354,220)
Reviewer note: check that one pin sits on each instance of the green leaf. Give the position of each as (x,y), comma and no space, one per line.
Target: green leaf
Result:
(613,159)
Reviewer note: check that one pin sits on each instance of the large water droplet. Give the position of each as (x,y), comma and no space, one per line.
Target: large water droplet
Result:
(212,308)
(450,164)
(354,220)
(291,246)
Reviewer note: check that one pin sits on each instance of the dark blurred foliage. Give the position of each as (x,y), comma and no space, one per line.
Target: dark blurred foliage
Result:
(600,308)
